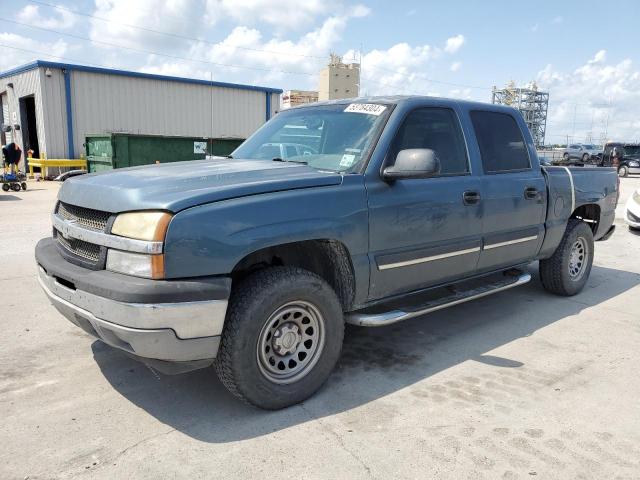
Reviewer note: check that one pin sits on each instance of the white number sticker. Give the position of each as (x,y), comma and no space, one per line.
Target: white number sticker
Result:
(347,160)
(369,108)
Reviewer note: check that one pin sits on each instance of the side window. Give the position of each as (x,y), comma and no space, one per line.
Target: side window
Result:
(500,140)
(439,130)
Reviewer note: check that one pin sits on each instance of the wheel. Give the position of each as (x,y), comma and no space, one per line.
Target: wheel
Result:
(623,171)
(6,187)
(568,269)
(585,158)
(565,157)
(24,185)
(15,187)
(282,337)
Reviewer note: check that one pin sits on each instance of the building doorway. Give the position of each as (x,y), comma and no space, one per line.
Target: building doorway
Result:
(29,126)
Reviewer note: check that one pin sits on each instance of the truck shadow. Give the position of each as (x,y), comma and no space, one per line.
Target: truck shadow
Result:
(374,363)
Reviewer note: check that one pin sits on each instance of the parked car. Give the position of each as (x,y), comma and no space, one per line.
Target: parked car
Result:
(632,209)
(71,173)
(284,150)
(585,153)
(408,205)
(629,163)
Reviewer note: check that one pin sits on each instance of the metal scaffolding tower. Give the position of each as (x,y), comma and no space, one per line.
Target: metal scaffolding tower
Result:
(532,103)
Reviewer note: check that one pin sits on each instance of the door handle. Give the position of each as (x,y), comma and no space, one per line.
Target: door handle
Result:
(470,197)
(531,193)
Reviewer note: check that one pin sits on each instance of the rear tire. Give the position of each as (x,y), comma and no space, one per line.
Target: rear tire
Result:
(269,356)
(24,185)
(568,269)
(585,158)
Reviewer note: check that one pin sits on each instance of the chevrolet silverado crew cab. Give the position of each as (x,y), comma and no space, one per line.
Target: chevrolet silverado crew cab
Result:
(385,209)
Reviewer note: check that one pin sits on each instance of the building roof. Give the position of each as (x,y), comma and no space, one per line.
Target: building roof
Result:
(126,73)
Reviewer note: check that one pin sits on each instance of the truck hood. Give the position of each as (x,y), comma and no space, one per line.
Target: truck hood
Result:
(180,185)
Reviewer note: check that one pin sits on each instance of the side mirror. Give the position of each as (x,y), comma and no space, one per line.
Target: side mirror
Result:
(413,163)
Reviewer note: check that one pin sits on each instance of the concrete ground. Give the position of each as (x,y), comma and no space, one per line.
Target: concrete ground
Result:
(519,384)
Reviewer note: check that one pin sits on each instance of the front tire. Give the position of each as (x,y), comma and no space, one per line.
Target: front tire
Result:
(568,269)
(282,337)
(623,171)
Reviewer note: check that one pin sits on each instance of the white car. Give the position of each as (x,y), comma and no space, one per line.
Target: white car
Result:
(632,210)
(581,151)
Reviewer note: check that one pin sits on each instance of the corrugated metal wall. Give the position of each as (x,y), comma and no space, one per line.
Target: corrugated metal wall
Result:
(54,113)
(25,84)
(104,103)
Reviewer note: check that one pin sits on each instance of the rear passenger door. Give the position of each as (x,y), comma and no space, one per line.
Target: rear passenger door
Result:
(514,193)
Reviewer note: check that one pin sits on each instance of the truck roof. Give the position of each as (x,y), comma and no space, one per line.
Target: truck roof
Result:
(405,99)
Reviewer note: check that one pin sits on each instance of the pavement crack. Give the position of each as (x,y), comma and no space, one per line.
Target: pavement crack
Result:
(112,460)
(338,438)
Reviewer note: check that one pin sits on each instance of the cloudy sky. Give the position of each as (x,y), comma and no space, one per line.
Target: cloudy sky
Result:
(585,53)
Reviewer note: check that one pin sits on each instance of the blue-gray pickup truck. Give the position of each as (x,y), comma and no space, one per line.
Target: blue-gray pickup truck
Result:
(366,211)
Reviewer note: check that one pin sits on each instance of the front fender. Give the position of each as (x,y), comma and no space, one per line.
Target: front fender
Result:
(211,239)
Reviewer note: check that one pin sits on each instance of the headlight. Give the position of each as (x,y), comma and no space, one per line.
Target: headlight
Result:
(150,225)
(633,164)
(136,264)
(636,196)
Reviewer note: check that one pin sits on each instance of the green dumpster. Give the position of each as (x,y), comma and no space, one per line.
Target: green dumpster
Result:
(120,150)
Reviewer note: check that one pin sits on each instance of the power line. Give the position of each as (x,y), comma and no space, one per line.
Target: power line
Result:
(55,56)
(169,34)
(150,52)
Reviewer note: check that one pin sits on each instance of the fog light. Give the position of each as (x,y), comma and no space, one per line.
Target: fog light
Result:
(136,264)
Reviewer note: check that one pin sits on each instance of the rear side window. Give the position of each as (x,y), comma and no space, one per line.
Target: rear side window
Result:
(501,143)
(438,129)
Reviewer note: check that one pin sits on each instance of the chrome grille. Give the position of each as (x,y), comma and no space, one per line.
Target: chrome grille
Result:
(86,217)
(86,250)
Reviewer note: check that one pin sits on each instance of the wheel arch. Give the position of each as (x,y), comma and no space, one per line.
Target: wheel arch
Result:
(588,213)
(328,258)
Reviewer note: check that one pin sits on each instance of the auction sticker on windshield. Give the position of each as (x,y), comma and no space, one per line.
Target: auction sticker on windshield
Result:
(370,108)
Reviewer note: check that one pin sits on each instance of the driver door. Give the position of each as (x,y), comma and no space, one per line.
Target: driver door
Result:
(424,232)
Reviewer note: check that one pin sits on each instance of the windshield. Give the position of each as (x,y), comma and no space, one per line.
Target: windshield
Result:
(329,137)
(632,150)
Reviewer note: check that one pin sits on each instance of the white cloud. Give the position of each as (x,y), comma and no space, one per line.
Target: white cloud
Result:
(604,97)
(179,18)
(455,66)
(61,20)
(266,60)
(282,14)
(599,57)
(454,43)
(26,48)
(534,28)
(557,20)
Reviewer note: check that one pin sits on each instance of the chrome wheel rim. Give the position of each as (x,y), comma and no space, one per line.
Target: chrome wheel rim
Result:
(578,259)
(290,342)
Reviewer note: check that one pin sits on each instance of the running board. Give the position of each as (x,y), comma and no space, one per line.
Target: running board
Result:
(386,318)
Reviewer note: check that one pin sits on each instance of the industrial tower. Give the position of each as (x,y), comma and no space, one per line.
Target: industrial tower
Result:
(532,103)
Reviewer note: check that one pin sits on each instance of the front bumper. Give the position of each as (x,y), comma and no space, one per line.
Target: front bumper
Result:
(634,170)
(169,321)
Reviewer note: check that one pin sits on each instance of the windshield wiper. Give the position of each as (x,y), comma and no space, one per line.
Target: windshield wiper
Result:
(278,159)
